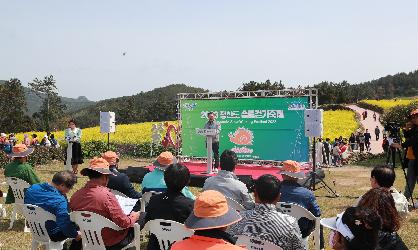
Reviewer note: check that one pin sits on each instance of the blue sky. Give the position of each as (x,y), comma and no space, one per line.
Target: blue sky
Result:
(213,44)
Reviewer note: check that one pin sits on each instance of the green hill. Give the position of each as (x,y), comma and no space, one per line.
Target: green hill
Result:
(34,102)
(73,104)
(159,104)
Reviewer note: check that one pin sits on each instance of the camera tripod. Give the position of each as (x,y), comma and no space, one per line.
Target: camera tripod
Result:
(313,175)
(392,154)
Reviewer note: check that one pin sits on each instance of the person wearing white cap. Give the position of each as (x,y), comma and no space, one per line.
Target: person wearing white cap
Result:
(355,229)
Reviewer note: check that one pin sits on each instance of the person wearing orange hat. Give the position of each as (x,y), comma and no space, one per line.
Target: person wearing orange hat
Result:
(119,181)
(210,219)
(96,197)
(411,144)
(154,181)
(293,192)
(20,168)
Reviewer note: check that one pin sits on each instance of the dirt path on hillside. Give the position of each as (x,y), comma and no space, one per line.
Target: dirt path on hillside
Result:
(369,123)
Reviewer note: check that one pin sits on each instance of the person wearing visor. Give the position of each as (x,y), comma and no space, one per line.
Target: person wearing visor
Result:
(154,181)
(355,229)
(210,219)
(96,197)
(20,168)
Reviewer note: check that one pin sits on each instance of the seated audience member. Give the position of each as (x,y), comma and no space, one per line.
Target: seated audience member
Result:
(19,168)
(227,182)
(53,141)
(381,201)
(96,197)
(34,141)
(45,141)
(265,222)
(26,140)
(355,229)
(172,204)
(154,181)
(384,176)
(293,192)
(210,218)
(119,181)
(52,198)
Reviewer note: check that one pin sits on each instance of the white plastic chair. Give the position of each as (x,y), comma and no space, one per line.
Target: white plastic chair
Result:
(234,204)
(255,243)
(298,212)
(167,232)
(116,192)
(146,197)
(3,213)
(18,187)
(91,225)
(36,218)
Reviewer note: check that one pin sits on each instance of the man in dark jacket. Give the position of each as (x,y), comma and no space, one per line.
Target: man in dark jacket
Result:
(172,204)
(119,181)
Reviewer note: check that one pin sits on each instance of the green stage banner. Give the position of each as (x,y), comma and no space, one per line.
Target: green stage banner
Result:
(255,128)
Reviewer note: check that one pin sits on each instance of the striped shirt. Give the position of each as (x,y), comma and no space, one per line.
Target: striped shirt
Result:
(266,223)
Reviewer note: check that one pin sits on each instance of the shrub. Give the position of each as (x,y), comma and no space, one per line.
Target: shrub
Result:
(399,114)
(367,105)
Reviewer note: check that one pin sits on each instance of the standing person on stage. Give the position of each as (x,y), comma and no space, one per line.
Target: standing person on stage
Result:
(377,133)
(212,124)
(73,138)
(374,116)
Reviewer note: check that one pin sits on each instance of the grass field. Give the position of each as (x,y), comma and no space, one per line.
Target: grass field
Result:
(350,182)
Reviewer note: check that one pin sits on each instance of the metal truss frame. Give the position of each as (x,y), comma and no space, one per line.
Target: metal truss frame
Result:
(311,93)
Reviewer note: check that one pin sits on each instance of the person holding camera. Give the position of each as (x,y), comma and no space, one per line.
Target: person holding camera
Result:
(411,144)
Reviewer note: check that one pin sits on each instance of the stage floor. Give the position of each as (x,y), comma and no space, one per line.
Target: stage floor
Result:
(243,171)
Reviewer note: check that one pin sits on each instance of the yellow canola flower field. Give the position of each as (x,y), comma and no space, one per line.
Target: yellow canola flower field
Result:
(125,133)
(339,123)
(389,103)
(336,123)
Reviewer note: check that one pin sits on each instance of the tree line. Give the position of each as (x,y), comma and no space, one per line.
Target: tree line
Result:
(398,85)
(14,107)
(160,104)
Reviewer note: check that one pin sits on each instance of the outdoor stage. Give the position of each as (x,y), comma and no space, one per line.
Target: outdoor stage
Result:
(247,173)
